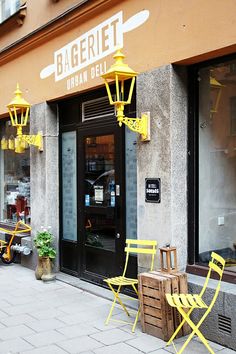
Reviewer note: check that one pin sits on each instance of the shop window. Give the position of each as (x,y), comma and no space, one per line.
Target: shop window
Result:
(14,180)
(8,8)
(217,162)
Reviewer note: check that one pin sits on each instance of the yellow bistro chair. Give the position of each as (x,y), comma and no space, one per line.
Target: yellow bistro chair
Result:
(116,283)
(194,301)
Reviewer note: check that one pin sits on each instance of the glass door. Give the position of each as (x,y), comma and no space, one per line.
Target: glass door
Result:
(101,210)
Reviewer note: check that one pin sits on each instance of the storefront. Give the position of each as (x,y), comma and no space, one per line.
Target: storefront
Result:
(89,183)
(212,162)
(98,193)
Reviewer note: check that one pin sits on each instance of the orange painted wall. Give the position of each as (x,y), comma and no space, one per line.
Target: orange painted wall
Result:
(38,13)
(175,31)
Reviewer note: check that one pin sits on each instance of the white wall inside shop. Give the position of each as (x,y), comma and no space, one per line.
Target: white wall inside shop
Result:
(217,171)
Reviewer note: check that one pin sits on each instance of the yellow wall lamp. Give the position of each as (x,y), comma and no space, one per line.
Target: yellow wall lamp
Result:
(120,72)
(18,110)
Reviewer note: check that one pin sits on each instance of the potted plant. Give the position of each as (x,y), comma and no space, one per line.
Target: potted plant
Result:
(43,242)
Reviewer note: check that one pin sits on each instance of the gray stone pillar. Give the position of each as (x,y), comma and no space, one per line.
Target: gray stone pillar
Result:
(44,176)
(163,93)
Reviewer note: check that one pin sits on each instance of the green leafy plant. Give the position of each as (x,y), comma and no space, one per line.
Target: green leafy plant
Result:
(43,243)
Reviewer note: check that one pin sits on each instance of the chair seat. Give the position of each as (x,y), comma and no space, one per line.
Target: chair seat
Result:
(121,281)
(185,301)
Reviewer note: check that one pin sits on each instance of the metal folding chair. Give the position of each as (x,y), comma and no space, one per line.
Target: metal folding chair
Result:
(116,283)
(194,301)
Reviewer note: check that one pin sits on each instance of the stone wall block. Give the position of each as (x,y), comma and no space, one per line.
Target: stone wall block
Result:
(153,158)
(44,174)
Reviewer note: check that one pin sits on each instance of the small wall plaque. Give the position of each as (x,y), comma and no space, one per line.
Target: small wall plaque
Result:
(153,190)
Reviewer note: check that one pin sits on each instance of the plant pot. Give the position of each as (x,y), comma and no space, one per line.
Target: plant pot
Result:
(39,269)
(44,269)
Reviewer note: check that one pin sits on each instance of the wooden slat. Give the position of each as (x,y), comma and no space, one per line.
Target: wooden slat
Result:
(157,332)
(151,302)
(156,318)
(151,282)
(151,292)
(155,312)
(173,290)
(153,320)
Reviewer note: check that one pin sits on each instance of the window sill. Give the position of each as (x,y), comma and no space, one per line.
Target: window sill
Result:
(196,269)
(16,18)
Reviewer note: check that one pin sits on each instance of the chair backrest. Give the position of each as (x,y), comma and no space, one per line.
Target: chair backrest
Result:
(140,247)
(216,264)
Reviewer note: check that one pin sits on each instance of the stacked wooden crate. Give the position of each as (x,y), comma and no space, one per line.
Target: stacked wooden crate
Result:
(157,317)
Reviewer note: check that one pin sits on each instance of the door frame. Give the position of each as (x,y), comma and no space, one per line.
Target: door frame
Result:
(120,217)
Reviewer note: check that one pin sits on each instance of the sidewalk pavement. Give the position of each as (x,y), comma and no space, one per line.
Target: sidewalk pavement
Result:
(58,318)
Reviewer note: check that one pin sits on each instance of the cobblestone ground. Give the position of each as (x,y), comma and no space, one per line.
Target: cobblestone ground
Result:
(57,318)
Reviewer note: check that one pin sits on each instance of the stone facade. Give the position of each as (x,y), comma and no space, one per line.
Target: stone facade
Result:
(44,176)
(163,93)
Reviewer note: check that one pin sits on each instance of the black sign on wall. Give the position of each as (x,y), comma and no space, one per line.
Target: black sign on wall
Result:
(153,190)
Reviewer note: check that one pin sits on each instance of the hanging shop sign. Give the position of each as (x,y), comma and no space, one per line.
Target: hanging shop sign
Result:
(153,190)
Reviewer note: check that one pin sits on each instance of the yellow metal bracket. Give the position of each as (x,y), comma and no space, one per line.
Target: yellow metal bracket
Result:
(138,125)
(36,140)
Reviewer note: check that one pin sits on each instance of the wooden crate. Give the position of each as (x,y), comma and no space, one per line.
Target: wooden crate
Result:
(156,315)
(179,285)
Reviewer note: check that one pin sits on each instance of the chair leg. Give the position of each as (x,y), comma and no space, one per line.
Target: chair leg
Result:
(195,331)
(136,320)
(116,297)
(178,328)
(138,312)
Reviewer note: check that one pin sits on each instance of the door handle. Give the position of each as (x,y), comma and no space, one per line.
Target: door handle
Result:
(117,235)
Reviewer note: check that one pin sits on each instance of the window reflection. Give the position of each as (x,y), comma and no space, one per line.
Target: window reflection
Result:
(99,181)
(217,162)
(99,190)
(15,180)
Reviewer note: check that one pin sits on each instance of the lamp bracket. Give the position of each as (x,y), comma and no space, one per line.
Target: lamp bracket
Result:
(138,125)
(36,140)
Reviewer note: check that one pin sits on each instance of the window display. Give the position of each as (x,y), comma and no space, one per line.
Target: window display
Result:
(217,162)
(15,180)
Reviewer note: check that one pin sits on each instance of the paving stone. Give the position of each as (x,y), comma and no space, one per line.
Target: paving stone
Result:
(79,345)
(14,332)
(81,317)
(214,346)
(120,348)
(227,351)
(3,314)
(160,351)
(21,309)
(51,349)
(77,330)
(21,300)
(46,314)
(100,324)
(146,343)
(194,347)
(16,320)
(45,325)
(45,338)
(11,346)
(112,336)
